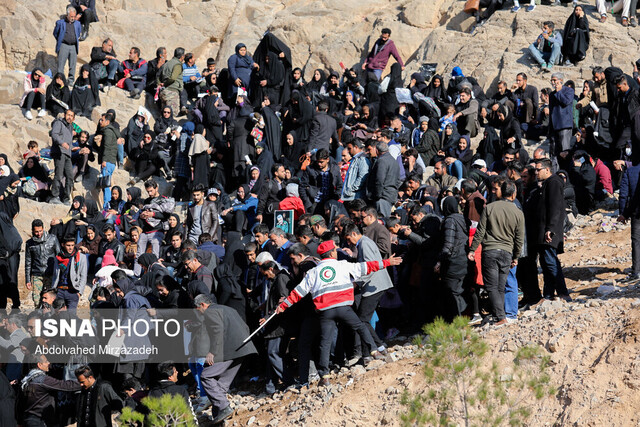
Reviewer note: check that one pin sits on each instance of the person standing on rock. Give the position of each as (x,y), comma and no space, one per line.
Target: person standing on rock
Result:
(629,208)
(170,79)
(549,234)
(108,152)
(38,262)
(501,234)
(330,286)
(382,50)
(67,34)
(62,138)
(86,14)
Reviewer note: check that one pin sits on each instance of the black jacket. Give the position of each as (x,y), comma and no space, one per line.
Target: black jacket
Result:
(115,245)
(384,179)
(551,212)
(311,183)
(39,255)
(279,287)
(94,406)
(455,245)
(38,399)
(270,196)
(228,291)
(226,331)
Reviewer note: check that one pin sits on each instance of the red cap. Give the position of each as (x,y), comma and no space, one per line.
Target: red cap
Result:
(326,247)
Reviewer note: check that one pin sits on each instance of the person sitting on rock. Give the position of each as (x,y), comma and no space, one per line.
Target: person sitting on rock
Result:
(467,115)
(104,63)
(86,14)
(491,7)
(547,47)
(576,37)
(34,94)
(135,73)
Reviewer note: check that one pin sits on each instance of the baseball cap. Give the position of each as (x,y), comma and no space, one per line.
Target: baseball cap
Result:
(480,163)
(315,219)
(325,247)
(213,191)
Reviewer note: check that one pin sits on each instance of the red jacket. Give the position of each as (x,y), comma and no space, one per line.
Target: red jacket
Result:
(292,203)
(604,176)
(379,61)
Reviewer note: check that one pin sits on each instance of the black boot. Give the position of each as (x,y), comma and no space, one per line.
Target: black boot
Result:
(84,33)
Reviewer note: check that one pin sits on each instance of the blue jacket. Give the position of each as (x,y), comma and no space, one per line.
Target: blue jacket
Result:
(628,201)
(60,29)
(561,106)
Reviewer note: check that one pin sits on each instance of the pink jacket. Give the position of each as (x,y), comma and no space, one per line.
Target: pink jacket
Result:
(379,61)
(28,87)
(604,176)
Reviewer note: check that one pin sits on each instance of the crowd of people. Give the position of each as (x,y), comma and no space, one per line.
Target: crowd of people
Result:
(379,244)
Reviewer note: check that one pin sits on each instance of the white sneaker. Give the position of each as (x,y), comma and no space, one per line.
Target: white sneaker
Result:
(28,115)
(42,112)
(512,320)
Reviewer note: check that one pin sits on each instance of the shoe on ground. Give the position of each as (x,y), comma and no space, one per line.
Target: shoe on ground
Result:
(42,112)
(633,22)
(511,320)
(625,21)
(603,18)
(324,382)
(223,415)
(107,88)
(270,388)
(531,8)
(28,115)
(568,63)
(548,68)
(566,298)
(78,178)
(475,320)
(501,322)
(377,355)
(201,403)
(514,9)
(352,362)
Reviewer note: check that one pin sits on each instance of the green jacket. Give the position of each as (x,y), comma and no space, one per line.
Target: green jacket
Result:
(109,147)
(501,226)
(172,80)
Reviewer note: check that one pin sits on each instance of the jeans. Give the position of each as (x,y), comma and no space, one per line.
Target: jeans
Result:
(495,268)
(196,364)
(275,351)
(66,53)
(456,169)
(347,317)
(546,57)
(70,297)
(511,295)
(155,239)
(121,153)
(107,171)
(378,73)
(635,245)
(112,69)
(551,272)
(63,169)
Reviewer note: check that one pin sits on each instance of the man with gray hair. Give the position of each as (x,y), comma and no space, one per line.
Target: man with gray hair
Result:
(14,326)
(170,78)
(384,178)
(560,122)
(67,34)
(279,239)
